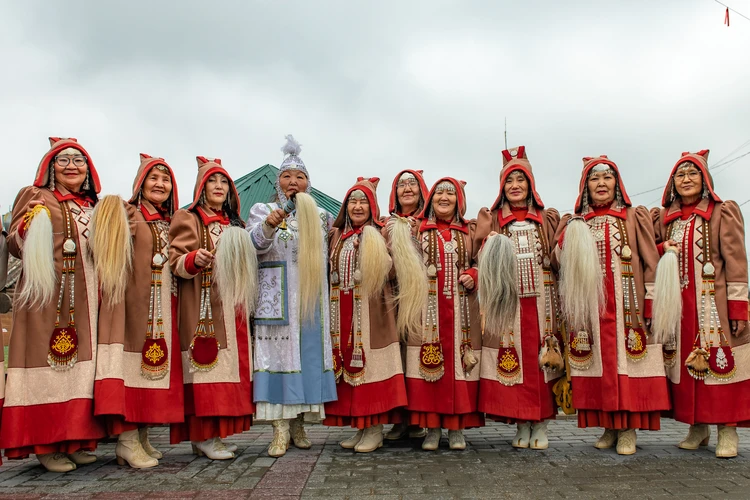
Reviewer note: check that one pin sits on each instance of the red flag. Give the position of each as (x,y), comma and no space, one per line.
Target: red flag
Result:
(726,17)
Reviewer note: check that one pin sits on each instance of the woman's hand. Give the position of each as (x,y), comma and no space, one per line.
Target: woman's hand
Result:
(737,327)
(670,244)
(275,218)
(203,258)
(34,203)
(467,281)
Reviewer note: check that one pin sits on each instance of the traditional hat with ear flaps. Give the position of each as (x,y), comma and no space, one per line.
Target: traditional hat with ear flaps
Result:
(417,174)
(58,144)
(700,160)
(588,164)
(369,187)
(515,160)
(147,164)
(460,199)
(206,168)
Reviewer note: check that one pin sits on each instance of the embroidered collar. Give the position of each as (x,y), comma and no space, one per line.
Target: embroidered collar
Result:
(428,224)
(620,213)
(505,214)
(208,216)
(704,208)
(81,199)
(352,231)
(158,213)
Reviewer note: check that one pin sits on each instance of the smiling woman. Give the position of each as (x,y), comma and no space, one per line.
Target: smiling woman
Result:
(54,341)
(213,324)
(139,377)
(708,372)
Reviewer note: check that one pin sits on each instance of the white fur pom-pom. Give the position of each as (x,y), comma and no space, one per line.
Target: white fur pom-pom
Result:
(292,147)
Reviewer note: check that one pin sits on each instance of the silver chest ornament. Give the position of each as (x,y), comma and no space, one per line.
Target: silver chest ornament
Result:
(69,246)
(158,260)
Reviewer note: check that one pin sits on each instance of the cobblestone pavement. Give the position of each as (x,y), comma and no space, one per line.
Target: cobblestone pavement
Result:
(488,468)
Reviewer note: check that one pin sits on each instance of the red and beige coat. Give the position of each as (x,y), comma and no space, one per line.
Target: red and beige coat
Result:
(139,371)
(46,409)
(726,245)
(379,388)
(221,390)
(642,383)
(458,384)
(535,237)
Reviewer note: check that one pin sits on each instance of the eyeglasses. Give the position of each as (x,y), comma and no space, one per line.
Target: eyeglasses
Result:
(411,183)
(64,161)
(690,174)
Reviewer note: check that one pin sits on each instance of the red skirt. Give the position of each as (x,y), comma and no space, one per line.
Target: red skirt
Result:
(620,420)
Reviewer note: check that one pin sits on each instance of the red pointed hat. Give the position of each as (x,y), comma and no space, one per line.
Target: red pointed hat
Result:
(147,164)
(460,198)
(590,162)
(393,205)
(206,168)
(700,160)
(370,188)
(516,160)
(57,144)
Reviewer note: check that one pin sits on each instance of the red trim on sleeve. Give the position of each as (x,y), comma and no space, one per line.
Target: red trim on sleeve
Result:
(737,310)
(190,266)
(660,248)
(474,273)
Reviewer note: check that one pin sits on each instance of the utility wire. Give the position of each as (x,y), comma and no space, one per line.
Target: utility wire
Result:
(736,12)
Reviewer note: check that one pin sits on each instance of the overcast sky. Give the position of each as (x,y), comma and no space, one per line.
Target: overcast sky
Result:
(370,88)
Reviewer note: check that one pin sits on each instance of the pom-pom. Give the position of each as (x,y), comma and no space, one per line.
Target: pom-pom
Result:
(292,147)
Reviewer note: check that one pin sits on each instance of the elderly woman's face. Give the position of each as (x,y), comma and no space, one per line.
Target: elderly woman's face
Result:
(292,182)
(444,203)
(71,168)
(516,188)
(157,186)
(602,187)
(688,182)
(216,190)
(358,208)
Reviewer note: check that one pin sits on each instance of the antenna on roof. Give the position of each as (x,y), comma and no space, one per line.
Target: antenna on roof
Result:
(506,132)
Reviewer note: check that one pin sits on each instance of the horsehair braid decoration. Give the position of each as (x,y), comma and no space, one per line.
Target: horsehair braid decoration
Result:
(550,353)
(39,274)
(377,263)
(236,270)
(311,258)
(581,288)
(204,348)
(111,244)
(63,343)
(411,275)
(635,336)
(665,325)
(498,289)
(155,353)
(709,355)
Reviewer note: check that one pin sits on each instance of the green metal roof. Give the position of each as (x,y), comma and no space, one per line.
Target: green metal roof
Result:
(258,187)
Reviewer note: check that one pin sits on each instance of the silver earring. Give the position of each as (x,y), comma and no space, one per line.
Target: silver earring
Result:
(86,184)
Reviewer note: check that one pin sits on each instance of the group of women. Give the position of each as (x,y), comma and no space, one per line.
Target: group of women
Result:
(423,319)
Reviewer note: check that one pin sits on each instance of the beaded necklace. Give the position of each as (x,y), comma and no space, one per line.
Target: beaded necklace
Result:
(712,355)
(63,344)
(347,278)
(155,353)
(204,348)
